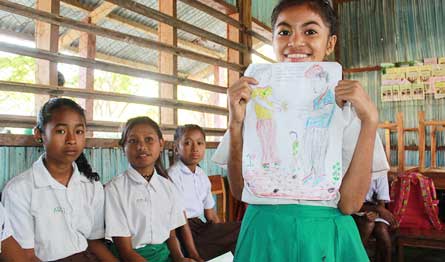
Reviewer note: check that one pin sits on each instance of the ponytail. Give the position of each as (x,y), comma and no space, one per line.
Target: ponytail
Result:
(85,168)
(160,169)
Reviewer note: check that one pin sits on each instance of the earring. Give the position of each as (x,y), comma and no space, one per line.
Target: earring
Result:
(39,140)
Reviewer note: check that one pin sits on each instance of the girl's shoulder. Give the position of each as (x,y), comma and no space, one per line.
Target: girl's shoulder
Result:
(116,181)
(23,181)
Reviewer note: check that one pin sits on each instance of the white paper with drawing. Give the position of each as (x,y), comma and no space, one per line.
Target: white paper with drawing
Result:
(293,131)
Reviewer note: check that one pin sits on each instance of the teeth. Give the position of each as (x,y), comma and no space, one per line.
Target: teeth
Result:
(297,55)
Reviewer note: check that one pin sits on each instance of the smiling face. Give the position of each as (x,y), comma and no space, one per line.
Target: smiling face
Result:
(301,35)
(142,147)
(191,148)
(63,136)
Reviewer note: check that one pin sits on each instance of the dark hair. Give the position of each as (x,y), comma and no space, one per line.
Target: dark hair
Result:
(144,120)
(45,116)
(181,130)
(322,7)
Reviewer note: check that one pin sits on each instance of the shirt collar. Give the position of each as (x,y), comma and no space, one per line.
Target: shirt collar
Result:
(137,178)
(43,178)
(186,170)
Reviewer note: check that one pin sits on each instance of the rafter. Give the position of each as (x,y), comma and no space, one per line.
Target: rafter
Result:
(96,15)
(145,29)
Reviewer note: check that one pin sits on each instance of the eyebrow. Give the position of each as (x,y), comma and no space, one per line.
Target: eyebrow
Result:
(304,25)
(283,24)
(311,23)
(66,125)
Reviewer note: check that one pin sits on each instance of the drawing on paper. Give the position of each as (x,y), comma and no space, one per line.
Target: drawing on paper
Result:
(288,150)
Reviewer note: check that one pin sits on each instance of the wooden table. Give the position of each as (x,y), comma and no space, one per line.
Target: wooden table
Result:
(420,238)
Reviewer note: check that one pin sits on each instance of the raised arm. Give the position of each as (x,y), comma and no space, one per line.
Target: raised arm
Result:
(238,94)
(357,179)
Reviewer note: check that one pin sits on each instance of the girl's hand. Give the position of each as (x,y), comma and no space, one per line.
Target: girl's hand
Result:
(388,216)
(238,95)
(371,216)
(352,91)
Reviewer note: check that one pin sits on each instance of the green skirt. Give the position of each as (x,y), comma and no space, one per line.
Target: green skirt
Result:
(152,253)
(294,233)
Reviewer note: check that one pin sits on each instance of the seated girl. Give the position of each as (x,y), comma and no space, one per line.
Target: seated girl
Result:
(374,219)
(212,238)
(57,206)
(142,209)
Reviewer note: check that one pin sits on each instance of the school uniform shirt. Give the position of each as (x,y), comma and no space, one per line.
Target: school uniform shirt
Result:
(379,187)
(194,189)
(5,226)
(144,211)
(351,133)
(53,219)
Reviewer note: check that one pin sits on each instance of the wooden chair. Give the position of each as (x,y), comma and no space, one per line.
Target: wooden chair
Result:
(433,171)
(397,127)
(219,189)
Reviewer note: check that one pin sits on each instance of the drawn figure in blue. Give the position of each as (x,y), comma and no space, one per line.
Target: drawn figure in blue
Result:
(316,137)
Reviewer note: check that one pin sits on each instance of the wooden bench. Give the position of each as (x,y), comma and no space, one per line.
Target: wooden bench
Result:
(219,189)
(419,238)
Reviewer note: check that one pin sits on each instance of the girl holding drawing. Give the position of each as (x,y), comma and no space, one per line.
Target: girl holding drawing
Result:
(297,229)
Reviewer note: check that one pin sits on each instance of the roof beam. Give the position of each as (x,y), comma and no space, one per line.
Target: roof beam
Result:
(145,29)
(154,33)
(96,15)
(85,27)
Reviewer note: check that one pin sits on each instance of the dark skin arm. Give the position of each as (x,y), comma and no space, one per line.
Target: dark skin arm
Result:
(185,233)
(98,248)
(381,211)
(175,249)
(12,252)
(126,252)
(355,183)
(238,94)
(211,216)
(31,255)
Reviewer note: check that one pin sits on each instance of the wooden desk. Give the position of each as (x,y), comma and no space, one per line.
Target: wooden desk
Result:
(420,238)
(438,176)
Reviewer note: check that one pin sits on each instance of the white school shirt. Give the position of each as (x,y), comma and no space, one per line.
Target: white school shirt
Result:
(380,187)
(351,132)
(194,189)
(144,211)
(53,219)
(5,226)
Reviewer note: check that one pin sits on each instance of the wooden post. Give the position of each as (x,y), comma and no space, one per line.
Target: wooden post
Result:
(168,63)
(421,127)
(233,56)
(245,11)
(46,37)
(87,49)
(400,143)
(433,147)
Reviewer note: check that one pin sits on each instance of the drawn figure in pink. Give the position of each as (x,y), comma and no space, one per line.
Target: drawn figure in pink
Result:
(265,126)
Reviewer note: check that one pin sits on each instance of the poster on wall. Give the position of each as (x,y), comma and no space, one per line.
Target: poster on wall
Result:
(439,90)
(418,91)
(412,74)
(405,92)
(386,93)
(425,74)
(395,93)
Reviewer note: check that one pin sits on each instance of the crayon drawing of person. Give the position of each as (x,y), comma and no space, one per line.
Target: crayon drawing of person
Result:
(265,126)
(316,137)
